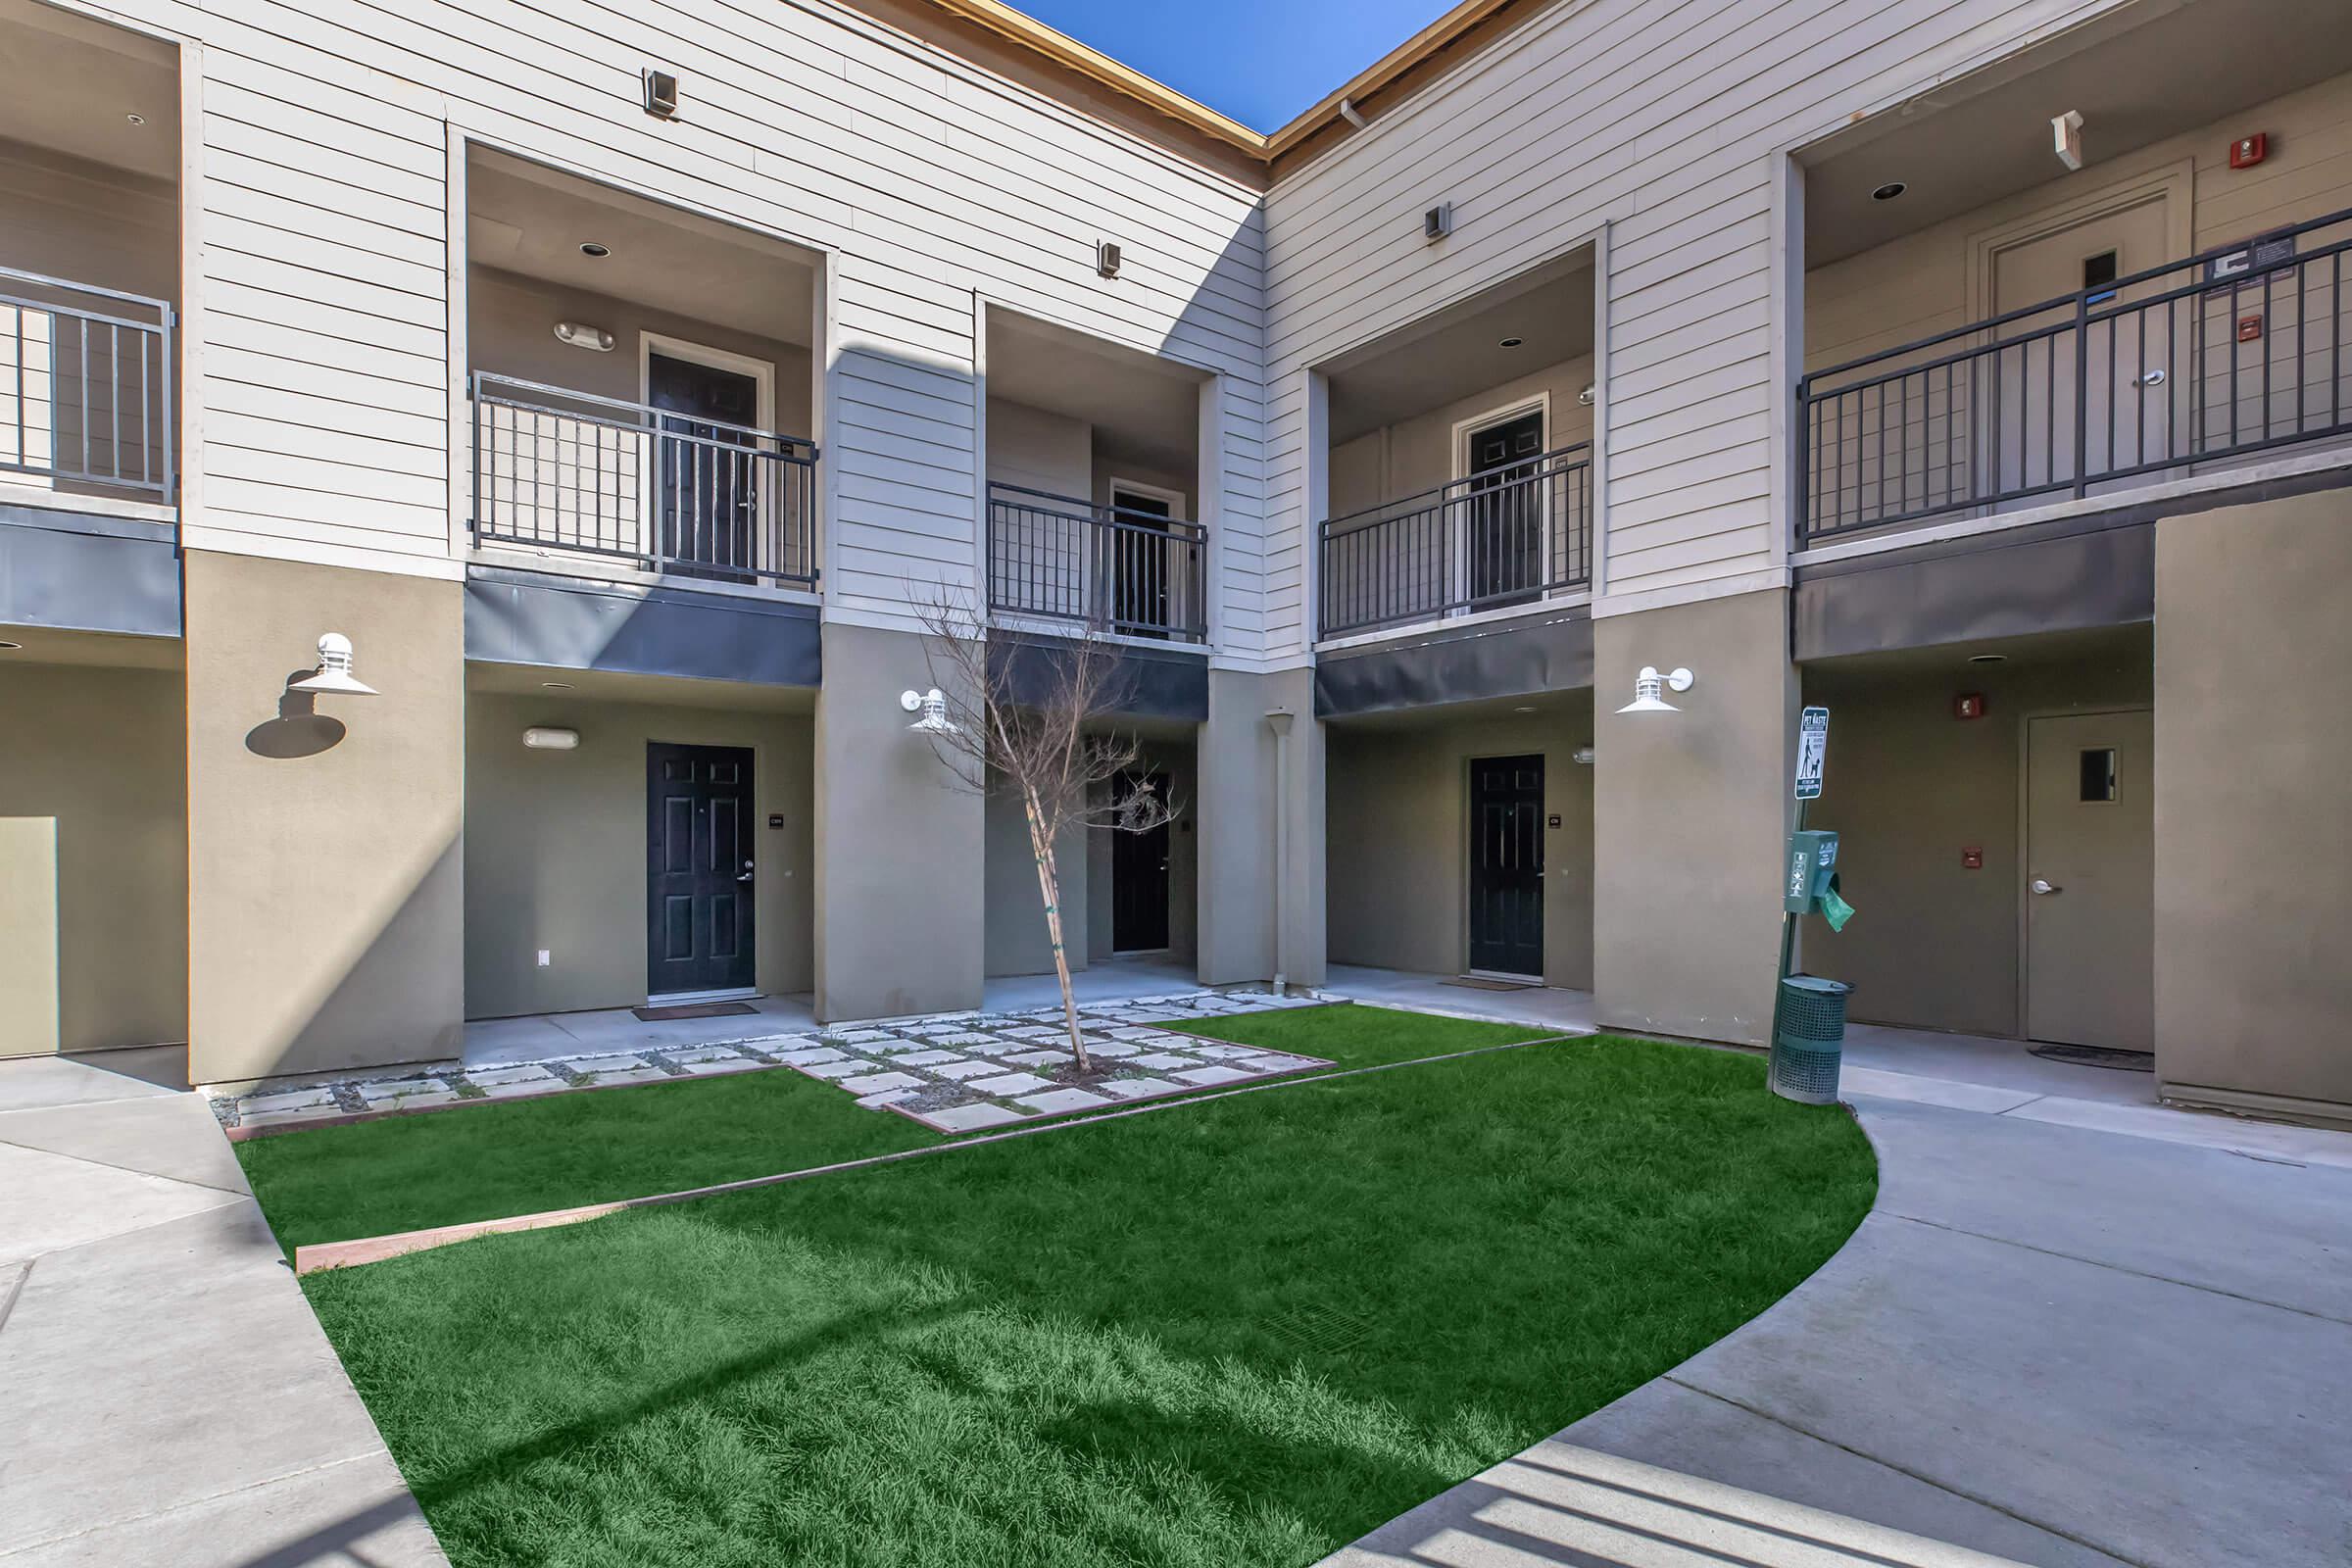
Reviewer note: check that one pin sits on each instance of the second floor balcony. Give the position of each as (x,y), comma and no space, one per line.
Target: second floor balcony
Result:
(85,388)
(1514,534)
(665,491)
(1122,570)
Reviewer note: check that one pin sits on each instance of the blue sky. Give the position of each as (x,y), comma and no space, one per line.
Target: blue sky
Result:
(1258,61)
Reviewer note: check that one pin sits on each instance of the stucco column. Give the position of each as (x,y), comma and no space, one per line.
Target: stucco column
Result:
(325,886)
(1689,813)
(900,843)
(1252,863)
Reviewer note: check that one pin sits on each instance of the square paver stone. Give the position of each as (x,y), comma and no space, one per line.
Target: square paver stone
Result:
(1141,1088)
(801,1054)
(874,1083)
(1217,1072)
(886,1096)
(320,1101)
(1279,1062)
(926,1058)
(1159,1060)
(958,1070)
(1059,1100)
(1038,1058)
(405,1093)
(1009,1084)
(703,1066)
(1114,1049)
(968,1118)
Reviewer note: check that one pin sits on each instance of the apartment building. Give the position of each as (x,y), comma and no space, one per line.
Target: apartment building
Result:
(627,384)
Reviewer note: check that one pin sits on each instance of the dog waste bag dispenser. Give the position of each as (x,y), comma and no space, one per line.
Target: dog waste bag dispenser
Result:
(1812,887)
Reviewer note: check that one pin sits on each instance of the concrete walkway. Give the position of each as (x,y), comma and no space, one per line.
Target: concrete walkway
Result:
(2077,1330)
(166,1400)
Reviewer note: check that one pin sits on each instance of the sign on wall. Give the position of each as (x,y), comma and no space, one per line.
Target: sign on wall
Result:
(1812,749)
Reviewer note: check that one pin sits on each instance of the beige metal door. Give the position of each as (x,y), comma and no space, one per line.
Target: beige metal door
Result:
(2090,879)
(2127,354)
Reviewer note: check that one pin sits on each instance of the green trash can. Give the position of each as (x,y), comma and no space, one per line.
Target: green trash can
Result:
(1811,1037)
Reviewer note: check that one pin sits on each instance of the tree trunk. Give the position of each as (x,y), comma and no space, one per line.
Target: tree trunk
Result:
(1049,882)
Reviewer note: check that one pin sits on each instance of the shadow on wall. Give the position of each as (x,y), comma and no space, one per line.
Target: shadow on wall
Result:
(299,729)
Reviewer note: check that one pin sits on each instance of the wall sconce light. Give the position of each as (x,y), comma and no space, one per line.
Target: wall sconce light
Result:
(580,335)
(551,740)
(1584,399)
(333,676)
(1650,688)
(933,706)
(1582,757)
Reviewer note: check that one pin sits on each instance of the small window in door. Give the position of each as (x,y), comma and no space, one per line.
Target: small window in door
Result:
(2100,271)
(2098,775)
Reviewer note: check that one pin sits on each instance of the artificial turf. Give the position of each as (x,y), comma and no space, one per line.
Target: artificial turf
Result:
(1240,1332)
(490,1160)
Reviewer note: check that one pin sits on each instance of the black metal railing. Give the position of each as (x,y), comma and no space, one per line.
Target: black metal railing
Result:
(1508,536)
(678,494)
(2235,351)
(1112,569)
(85,385)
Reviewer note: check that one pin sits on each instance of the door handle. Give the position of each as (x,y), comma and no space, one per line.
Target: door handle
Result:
(2148,378)
(745,875)
(2044,887)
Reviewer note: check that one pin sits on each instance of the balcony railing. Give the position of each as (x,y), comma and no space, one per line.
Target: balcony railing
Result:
(1510,536)
(2233,352)
(1128,572)
(86,386)
(672,493)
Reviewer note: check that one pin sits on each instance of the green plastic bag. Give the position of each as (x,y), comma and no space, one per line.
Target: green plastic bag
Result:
(1835,910)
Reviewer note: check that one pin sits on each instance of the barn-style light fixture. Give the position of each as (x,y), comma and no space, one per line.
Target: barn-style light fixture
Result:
(333,676)
(933,706)
(1650,688)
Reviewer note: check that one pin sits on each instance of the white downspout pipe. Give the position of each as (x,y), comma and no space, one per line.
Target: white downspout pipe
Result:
(1279,721)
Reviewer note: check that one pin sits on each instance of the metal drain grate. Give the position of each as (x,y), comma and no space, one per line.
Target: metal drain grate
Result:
(2097,1056)
(1322,1330)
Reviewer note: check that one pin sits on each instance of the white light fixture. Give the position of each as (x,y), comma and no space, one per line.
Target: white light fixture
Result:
(551,740)
(1889,191)
(933,706)
(333,676)
(1582,757)
(1584,398)
(1650,688)
(580,335)
(2066,138)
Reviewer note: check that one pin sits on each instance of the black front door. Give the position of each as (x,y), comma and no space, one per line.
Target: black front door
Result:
(698,868)
(1506,864)
(1506,511)
(1139,564)
(706,490)
(1138,882)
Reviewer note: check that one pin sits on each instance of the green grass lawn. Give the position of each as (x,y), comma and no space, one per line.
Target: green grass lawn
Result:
(1240,1332)
(487,1161)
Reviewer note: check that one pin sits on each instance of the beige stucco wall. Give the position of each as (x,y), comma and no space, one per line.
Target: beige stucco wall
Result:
(1397,836)
(29,936)
(100,756)
(1689,816)
(900,878)
(1421,452)
(1238,797)
(1907,787)
(325,894)
(556,848)
(511,325)
(1016,940)
(2253,841)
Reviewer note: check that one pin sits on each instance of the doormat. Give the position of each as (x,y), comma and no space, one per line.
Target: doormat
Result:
(2099,1056)
(1473,982)
(695,1009)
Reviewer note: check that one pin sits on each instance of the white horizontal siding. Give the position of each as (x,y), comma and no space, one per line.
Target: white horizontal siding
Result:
(1663,122)
(325,225)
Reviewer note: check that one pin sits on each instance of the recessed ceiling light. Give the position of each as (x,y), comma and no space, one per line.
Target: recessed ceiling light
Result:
(136,120)
(1989,658)
(592,248)
(1888,191)
(1512,342)
(556,685)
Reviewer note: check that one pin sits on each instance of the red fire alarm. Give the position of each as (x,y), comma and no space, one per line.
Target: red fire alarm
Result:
(1971,856)
(2247,150)
(1969,705)
(2249,329)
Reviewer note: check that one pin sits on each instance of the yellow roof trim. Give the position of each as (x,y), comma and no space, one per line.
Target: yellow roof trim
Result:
(1068,52)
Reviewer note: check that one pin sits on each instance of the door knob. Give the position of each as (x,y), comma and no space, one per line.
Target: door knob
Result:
(2044,887)
(745,875)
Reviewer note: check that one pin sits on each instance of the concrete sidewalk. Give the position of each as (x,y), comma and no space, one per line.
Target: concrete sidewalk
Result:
(166,1400)
(2077,1330)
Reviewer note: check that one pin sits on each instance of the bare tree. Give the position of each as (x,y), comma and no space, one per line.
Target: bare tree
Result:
(1031,721)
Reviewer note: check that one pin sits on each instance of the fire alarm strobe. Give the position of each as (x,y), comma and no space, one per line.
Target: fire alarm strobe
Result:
(1969,705)
(2247,150)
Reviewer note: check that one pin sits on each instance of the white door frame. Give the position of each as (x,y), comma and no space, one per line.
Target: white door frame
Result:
(2025,837)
